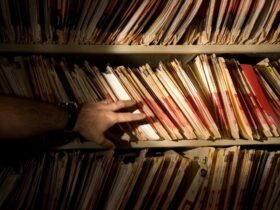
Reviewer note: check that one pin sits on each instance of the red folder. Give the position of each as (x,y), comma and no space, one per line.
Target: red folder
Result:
(251,77)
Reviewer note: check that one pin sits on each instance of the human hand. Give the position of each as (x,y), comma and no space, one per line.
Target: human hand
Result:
(95,118)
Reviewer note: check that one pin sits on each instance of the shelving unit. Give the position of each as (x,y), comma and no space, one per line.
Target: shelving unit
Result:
(66,171)
(135,49)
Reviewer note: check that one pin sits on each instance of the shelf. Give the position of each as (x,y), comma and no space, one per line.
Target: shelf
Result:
(136,49)
(173,144)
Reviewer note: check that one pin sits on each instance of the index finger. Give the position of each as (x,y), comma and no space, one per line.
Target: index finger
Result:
(128,117)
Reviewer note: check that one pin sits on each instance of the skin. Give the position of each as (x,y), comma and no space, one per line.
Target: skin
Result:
(21,118)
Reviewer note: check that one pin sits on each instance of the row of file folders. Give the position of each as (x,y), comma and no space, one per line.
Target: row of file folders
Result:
(202,178)
(140,22)
(208,98)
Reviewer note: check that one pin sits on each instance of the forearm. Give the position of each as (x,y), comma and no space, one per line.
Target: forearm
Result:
(24,118)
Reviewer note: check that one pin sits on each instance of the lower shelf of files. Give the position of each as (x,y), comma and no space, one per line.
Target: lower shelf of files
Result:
(200,178)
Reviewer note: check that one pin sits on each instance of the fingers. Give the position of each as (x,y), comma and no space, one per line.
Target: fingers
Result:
(128,117)
(100,104)
(115,106)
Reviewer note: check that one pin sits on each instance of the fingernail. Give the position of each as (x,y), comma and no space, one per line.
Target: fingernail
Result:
(143,115)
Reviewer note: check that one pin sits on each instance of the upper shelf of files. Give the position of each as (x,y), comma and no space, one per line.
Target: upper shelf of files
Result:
(137,49)
(140,22)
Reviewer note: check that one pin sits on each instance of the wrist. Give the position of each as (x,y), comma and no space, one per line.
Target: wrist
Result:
(72,114)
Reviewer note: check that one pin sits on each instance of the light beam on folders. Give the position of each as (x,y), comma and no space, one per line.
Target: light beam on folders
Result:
(121,94)
(223,91)
(161,94)
(182,102)
(243,123)
(207,81)
(225,99)
(151,102)
(133,90)
(197,99)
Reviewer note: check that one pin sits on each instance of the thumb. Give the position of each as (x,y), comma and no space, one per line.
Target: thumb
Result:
(107,144)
